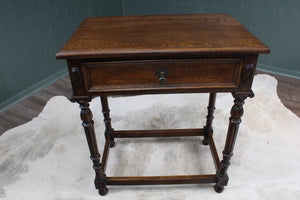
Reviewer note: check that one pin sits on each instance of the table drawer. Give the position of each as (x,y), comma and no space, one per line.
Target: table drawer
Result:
(162,74)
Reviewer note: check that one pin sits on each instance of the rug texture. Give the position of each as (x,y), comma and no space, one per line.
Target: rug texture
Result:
(48,157)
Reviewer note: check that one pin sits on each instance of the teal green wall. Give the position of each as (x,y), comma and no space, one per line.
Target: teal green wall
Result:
(32,31)
(275,22)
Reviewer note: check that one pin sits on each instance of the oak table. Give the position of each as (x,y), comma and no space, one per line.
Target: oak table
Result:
(161,54)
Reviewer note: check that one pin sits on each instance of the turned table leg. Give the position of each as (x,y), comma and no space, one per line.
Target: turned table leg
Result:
(88,124)
(109,131)
(210,116)
(234,122)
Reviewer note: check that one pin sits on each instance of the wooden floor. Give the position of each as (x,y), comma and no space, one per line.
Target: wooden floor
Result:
(288,91)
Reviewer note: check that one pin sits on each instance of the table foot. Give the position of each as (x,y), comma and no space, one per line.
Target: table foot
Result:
(218,188)
(208,131)
(205,141)
(103,191)
(112,144)
(222,181)
(100,184)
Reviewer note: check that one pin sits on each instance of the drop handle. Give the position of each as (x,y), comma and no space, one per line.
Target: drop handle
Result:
(162,74)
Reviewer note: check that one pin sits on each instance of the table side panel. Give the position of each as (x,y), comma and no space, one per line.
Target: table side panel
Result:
(182,73)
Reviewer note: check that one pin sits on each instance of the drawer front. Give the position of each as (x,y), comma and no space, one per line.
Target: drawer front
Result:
(162,74)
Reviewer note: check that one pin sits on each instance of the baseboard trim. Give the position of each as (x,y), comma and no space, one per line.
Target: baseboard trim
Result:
(29,91)
(279,70)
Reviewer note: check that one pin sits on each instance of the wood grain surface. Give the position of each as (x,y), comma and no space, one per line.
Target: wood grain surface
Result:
(160,34)
(120,75)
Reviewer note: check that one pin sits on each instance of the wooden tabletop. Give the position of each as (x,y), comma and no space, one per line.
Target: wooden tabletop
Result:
(102,37)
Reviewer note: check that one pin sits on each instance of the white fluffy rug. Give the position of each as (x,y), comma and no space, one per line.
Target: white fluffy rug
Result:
(48,157)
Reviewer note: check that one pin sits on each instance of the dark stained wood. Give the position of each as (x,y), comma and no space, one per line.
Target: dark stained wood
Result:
(159,180)
(88,125)
(210,116)
(105,154)
(154,35)
(109,131)
(210,108)
(158,133)
(234,122)
(91,82)
(118,76)
(214,152)
(121,56)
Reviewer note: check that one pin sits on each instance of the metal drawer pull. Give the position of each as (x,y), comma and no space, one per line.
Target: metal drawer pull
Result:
(162,73)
